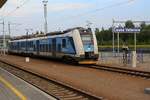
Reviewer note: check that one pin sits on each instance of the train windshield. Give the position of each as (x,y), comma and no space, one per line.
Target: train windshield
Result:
(86,36)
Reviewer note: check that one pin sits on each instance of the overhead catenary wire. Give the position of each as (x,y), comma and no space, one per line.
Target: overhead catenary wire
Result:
(99,9)
(18,7)
(78,15)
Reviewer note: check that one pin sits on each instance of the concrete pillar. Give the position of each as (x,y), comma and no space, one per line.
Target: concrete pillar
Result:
(133,58)
(27,59)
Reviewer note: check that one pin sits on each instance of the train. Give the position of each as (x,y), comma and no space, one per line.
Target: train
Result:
(77,45)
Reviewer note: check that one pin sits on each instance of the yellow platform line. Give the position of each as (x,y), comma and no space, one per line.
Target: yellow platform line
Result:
(22,97)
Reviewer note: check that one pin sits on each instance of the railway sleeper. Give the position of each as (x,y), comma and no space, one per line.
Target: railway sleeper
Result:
(60,90)
(73,95)
(55,88)
(74,98)
(77,99)
(65,91)
(67,95)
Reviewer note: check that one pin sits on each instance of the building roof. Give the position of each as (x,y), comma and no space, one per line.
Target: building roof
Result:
(2,2)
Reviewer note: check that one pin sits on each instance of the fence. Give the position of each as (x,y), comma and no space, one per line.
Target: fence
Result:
(123,58)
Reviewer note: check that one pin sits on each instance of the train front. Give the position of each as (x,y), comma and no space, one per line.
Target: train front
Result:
(89,53)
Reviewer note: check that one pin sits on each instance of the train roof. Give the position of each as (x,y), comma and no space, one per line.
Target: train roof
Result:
(48,34)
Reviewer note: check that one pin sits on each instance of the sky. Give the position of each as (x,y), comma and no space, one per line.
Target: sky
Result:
(64,14)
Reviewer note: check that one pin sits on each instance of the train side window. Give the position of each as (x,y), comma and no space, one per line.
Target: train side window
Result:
(46,47)
(43,47)
(50,47)
(64,43)
(34,47)
(59,47)
(40,47)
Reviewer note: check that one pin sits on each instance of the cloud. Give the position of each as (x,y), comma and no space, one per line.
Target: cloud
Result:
(68,6)
(36,8)
(15,2)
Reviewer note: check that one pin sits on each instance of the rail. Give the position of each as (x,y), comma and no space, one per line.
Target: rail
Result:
(59,89)
(139,73)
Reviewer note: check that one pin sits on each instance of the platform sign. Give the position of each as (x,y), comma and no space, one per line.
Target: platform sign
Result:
(126,30)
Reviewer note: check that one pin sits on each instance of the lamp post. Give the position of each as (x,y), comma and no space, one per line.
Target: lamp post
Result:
(45,15)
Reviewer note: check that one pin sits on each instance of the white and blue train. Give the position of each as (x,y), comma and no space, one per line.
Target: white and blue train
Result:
(76,45)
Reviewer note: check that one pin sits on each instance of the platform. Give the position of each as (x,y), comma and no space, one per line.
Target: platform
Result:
(111,86)
(13,88)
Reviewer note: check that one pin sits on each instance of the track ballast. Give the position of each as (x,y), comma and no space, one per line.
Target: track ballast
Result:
(54,88)
(132,72)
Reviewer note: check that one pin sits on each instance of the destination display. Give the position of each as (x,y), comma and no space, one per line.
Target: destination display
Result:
(127,30)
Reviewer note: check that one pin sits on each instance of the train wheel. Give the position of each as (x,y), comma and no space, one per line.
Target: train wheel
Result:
(69,60)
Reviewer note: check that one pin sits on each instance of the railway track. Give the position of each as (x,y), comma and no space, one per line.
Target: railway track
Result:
(54,88)
(123,71)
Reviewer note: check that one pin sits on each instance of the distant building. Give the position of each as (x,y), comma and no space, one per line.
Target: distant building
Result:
(7,38)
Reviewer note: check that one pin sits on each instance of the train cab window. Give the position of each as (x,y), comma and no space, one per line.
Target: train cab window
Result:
(64,43)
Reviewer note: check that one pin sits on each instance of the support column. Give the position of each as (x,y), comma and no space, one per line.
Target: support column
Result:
(134,52)
(118,42)
(113,38)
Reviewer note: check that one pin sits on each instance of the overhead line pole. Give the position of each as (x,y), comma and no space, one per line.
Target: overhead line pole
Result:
(45,16)
(4,38)
(113,39)
(9,26)
(9,30)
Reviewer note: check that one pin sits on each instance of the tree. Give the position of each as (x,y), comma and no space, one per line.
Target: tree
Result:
(129,24)
(97,30)
(143,25)
(104,36)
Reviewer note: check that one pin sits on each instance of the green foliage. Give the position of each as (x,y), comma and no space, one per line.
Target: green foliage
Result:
(129,24)
(104,36)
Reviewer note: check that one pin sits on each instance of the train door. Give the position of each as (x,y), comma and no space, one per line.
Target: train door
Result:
(54,47)
(37,47)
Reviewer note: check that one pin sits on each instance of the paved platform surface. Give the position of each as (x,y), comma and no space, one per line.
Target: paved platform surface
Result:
(13,88)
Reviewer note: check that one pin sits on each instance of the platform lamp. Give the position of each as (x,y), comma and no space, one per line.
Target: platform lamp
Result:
(45,15)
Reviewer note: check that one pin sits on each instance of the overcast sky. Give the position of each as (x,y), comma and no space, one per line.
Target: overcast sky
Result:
(63,14)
